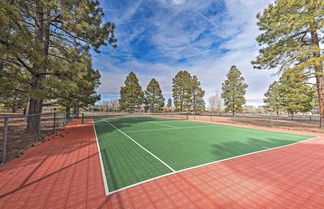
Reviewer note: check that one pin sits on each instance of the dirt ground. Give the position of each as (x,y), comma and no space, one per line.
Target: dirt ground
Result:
(312,126)
(19,139)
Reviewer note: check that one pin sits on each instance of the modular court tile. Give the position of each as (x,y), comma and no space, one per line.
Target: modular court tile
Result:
(65,172)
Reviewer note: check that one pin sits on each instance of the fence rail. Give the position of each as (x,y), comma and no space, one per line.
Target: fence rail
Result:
(270,116)
(15,137)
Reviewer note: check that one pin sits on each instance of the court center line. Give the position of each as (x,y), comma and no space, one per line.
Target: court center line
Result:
(141,146)
(166,129)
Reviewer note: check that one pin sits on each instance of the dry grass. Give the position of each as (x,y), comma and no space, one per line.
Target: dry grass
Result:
(19,139)
(312,126)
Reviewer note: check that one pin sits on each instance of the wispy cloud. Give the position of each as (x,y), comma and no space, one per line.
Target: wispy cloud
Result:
(157,38)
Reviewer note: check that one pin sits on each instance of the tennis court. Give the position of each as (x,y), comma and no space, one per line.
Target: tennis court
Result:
(137,149)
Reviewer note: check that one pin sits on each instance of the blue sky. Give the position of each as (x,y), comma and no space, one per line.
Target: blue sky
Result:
(158,38)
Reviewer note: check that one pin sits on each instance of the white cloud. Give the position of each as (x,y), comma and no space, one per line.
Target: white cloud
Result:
(186,30)
(178,1)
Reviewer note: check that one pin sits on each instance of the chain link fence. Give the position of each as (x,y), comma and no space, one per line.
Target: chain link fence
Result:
(17,134)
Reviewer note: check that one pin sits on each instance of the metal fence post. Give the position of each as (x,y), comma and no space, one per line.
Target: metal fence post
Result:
(82,118)
(5,140)
(62,119)
(54,121)
(39,127)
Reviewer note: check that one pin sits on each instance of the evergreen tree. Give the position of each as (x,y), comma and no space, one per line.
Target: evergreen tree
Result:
(169,103)
(131,95)
(182,91)
(77,89)
(273,98)
(234,90)
(296,96)
(153,96)
(14,87)
(198,93)
(42,36)
(292,31)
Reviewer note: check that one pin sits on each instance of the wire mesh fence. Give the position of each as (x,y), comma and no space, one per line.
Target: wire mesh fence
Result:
(20,132)
(181,115)
(300,121)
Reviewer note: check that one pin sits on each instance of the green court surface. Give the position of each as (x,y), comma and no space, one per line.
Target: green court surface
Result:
(135,149)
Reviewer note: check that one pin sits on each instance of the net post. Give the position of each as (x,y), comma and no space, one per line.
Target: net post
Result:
(5,140)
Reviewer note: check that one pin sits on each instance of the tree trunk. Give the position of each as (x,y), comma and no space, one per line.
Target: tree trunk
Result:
(35,107)
(13,110)
(39,67)
(67,109)
(319,76)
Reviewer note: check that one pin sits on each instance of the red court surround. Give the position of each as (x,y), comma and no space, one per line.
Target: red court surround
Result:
(65,173)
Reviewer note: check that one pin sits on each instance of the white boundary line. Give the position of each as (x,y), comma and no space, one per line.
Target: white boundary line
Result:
(217,161)
(141,146)
(101,162)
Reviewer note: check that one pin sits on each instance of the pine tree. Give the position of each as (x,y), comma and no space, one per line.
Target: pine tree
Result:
(182,91)
(234,90)
(296,96)
(291,37)
(42,36)
(169,105)
(131,95)
(198,103)
(273,98)
(153,96)
(77,89)
(14,87)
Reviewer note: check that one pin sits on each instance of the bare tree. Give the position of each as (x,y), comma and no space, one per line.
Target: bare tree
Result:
(215,102)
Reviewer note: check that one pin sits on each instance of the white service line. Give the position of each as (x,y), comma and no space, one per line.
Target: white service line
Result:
(141,147)
(163,124)
(167,129)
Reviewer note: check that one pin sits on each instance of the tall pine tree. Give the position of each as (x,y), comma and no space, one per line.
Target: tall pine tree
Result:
(182,91)
(292,31)
(198,103)
(153,96)
(273,98)
(295,95)
(169,105)
(131,95)
(41,36)
(233,91)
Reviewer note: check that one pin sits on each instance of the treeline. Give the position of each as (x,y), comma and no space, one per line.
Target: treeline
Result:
(187,94)
(291,94)
(45,54)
